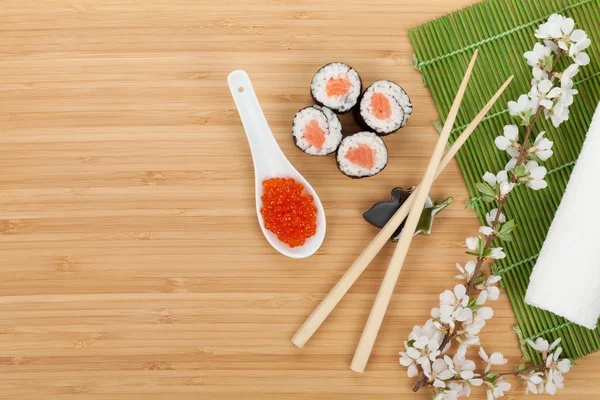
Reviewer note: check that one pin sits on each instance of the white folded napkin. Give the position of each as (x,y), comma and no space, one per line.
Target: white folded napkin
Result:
(566,277)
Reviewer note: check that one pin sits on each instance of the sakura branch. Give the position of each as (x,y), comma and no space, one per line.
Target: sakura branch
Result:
(463,311)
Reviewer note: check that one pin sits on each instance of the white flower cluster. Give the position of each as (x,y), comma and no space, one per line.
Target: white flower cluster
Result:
(551,90)
(550,377)
(462,312)
(464,317)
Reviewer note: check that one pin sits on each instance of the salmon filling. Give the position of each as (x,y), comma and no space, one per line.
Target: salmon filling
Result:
(381,107)
(338,86)
(314,135)
(362,155)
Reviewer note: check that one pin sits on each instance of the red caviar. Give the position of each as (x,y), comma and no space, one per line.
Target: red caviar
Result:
(287,212)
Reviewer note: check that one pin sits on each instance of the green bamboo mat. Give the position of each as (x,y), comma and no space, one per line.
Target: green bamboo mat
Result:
(503,31)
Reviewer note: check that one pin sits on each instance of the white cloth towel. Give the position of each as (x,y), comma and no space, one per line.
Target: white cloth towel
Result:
(566,277)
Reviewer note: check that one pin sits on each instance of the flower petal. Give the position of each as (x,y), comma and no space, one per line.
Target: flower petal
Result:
(412,371)
(502,143)
(511,132)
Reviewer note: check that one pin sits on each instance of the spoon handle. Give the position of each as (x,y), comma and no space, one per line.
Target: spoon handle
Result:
(263,145)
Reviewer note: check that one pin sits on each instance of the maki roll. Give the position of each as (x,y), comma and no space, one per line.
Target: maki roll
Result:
(317,131)
(336,86)
(361,155)
(384,107)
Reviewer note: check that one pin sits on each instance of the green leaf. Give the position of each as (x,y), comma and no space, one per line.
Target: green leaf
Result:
(486,189)
(507,237)
(527,117)
(491,377)
(508,226)
(481,278)
(481,248)
(488,199)
(505,230)
(410,343)
(520,171)
(548,62)
(520,367)
(470,204)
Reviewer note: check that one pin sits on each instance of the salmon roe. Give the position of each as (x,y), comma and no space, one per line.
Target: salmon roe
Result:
(288,213)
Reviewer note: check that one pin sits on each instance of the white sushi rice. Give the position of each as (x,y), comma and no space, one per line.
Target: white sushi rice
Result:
(399,102)
(318,86)
(327,121)
(350,142)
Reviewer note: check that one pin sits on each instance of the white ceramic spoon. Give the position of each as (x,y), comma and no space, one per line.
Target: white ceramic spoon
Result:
(270,162)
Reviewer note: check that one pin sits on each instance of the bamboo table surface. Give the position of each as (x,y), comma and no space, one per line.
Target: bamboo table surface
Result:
(133,266)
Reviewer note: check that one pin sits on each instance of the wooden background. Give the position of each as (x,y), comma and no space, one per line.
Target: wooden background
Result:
(132,263)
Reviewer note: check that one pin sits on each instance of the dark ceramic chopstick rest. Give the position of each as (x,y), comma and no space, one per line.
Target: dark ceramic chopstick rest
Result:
(381,212)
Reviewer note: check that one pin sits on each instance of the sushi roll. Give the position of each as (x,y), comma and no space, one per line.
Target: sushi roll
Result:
(361,155)
(384,108)
(317,131)
(336,86)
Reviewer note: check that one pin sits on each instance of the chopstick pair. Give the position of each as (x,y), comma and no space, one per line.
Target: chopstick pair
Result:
(327,305)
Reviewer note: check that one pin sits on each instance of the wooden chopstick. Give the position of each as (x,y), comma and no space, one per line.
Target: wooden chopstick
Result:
(335,295)
(369,335)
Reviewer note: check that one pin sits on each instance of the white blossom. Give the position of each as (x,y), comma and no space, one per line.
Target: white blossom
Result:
(545,93)
(554,371)
(473,243)
(559,111)
(474,326)
(535,383)
(555,28)
(466,340)
(538,56)
(466,273)
(523,108)
(511,164)
(488,290)
(437,372)
(485,313)
(535,175)
(499,182)
(509,141)
(564,365)
(453,305)
(462,368)
(486,230)
(498,388)
(497,253)
(494,359)
(463,389)
(566,78)
(444,394)
(542,147)
(541,345)
(406,361)
(539,74)
(429,330)
(423,350)
(491,217)
(558,114)
(579,41)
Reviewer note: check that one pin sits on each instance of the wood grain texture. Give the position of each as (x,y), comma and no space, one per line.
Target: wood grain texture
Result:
(132,263)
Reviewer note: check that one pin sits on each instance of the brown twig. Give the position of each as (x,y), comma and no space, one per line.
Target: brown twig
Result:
(482,376)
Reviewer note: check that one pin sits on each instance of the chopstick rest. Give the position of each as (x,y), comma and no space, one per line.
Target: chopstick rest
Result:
(566,277)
